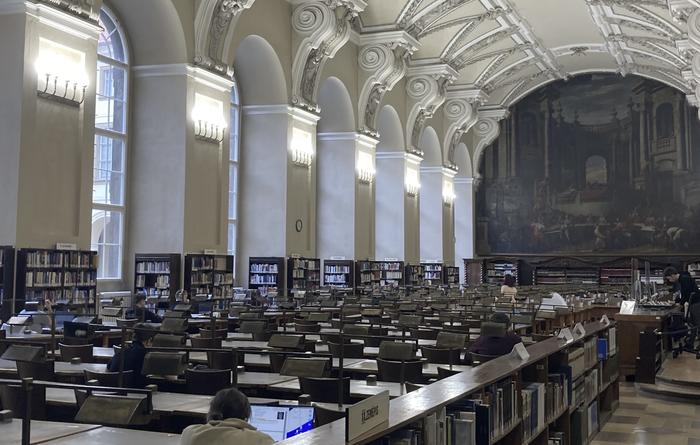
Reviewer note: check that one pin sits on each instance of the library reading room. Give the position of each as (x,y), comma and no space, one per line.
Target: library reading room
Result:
(349,222)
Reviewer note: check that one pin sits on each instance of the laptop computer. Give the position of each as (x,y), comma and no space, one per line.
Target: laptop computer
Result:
(282,422)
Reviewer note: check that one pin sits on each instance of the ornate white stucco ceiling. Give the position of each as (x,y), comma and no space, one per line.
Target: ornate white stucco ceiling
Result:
(510,47)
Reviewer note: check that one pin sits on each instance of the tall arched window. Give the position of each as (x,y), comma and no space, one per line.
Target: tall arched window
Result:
(109,174)
(233,171)
(664,121)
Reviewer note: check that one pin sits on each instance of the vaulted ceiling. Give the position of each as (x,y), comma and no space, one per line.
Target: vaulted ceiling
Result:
(509,47)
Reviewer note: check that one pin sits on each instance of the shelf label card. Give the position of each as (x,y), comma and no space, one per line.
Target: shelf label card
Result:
(66,246)
(627,307)
(366,415)
(337,258)
(579,331)
(604,320)
(566,335)
(520,352)
(209,251)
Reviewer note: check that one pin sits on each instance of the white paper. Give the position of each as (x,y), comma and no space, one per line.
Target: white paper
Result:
(627,307)
(566,335)
(604,320)
(579,331)
(520,351)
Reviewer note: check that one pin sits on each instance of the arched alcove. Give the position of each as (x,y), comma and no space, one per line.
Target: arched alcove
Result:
(390,130)
(430,145)
(462,160)
(337,113)
(157,28)
(259,73)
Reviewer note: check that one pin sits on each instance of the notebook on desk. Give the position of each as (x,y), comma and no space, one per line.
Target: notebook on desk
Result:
(281,422)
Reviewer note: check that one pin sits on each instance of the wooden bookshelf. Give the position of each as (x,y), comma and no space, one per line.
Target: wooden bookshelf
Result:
(303,274)
(496,269)
(157,275)
(61,276)
(565,270)
(693,268)
(381,273)
(451,276)
(210,275)
(339,273)
(550,368)
(432,273)
(473,272)
(7,276)
(415,275)
(266,274)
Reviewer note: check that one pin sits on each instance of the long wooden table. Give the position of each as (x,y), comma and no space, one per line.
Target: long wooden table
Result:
(62,369)
(41,431)
(358,388)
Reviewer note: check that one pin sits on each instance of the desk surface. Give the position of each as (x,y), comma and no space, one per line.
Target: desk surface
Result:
(358,388)
(60,368)
(429,369)
(42,431)
(116,436)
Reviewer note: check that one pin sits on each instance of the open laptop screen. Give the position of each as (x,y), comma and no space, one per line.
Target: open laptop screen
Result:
(282,422)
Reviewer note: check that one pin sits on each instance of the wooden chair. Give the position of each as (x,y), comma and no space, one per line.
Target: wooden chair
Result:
(307,327)
(322,389)
(441,355)
(177,325)
(451,340)
(327,415)
(169,341)
(111,378)
(350,350)
(391,370)
(306,367)
(479,359)
(206,342)
(258,328)
(207,381)
(394,350)
(425,334)
(83,352)
(217,333)
(36,370)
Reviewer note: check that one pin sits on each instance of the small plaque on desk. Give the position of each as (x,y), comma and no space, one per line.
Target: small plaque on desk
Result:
(366,415)
(579,331)
(627,307)
(566,335)
(604,320)
(519,351)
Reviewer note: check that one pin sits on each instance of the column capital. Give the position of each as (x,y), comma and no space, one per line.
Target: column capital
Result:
(460,110)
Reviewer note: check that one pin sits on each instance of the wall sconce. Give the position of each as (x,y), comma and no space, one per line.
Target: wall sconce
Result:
(365,167)
(412,181)
(302,147)
(209,123)
(61,73)
(448,193)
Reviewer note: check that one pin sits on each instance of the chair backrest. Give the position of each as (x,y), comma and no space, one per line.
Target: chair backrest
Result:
(126,323)
(441,355)
(307,327)
(325,389)
(217,333)
(207,381)
(250,315)
(110,378)
(390,370)
(83,352)
(445,372)
(252,326)
(319,317)
(491,329)
(425,334)
(355,329)
(168,340)
(480,359)
(306,367)
(294,342)
(164,363)
(174,325)
(411,321)
(451,340)
(113,410)
(36,370)
(205,342)
(13,398)
(350,350)
(24,353)
(326,415)
(225,359)
(394,350)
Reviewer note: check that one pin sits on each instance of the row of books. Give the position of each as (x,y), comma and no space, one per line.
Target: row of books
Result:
(264,268)
(335,278)
(263,279)
(208,263)
(584,424)
(433,276)
(153,267)
(59,279)
(75,296)
(543,402)
(304,263)
(161,281)
(380,265)
(336,269)
(55,259)
(150,291)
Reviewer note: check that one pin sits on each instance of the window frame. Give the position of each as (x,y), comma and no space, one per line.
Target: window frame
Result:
(235,128)
(115,135)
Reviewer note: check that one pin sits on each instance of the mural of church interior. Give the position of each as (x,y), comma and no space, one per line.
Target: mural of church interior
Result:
(572,172)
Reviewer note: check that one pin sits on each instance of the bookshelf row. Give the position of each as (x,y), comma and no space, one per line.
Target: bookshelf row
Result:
(585,270)
(561,394)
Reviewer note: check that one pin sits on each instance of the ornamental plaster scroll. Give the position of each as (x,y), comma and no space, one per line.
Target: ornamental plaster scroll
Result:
(486,130)
(325,26)
(460,114)
(213,25)
(86,9)
(383,57)
(426,88)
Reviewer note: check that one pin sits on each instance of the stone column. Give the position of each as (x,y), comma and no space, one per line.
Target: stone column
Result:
(464,227)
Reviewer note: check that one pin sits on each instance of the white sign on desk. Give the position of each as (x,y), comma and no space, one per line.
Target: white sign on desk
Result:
(366,415)
(519,351)
(579,331)
(604,320)
(627,307)
(566,335)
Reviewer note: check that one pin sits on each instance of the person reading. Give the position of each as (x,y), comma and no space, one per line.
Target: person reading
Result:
(134,354)
(226,424)
(499,340)
(142,313)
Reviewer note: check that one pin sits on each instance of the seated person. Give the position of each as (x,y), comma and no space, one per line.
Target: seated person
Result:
(508,290)
(135,354)
(683,286)
(40,315)
(496,345)
(227,423)
(142,313)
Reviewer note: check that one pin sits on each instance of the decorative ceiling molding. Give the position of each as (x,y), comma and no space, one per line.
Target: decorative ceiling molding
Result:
(325,27)
(426,87)
(85,9)
(383,57)
(486,130)
(460,115)
(419,22)
(213,25)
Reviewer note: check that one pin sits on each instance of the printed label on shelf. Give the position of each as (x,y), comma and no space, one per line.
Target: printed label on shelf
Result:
(337,258)
(366,415)
(66,246)
(579,331)
(209,251)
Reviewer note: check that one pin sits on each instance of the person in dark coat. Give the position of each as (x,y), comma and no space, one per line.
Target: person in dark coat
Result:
(134,354)
(496,345)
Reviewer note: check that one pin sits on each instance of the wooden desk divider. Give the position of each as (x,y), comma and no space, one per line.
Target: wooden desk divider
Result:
(558,392)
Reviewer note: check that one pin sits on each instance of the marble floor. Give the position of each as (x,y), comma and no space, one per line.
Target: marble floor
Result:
(646,419)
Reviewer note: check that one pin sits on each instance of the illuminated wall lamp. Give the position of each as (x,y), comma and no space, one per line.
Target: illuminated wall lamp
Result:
(412,182)
(365,168)
(61,75)
(209,125)
(302,149)
(448,193)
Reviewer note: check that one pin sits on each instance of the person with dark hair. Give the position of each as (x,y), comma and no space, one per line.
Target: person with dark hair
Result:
(496,343)
(134,354)
(684,286)
(142,313)
(508,289)
(226,424)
